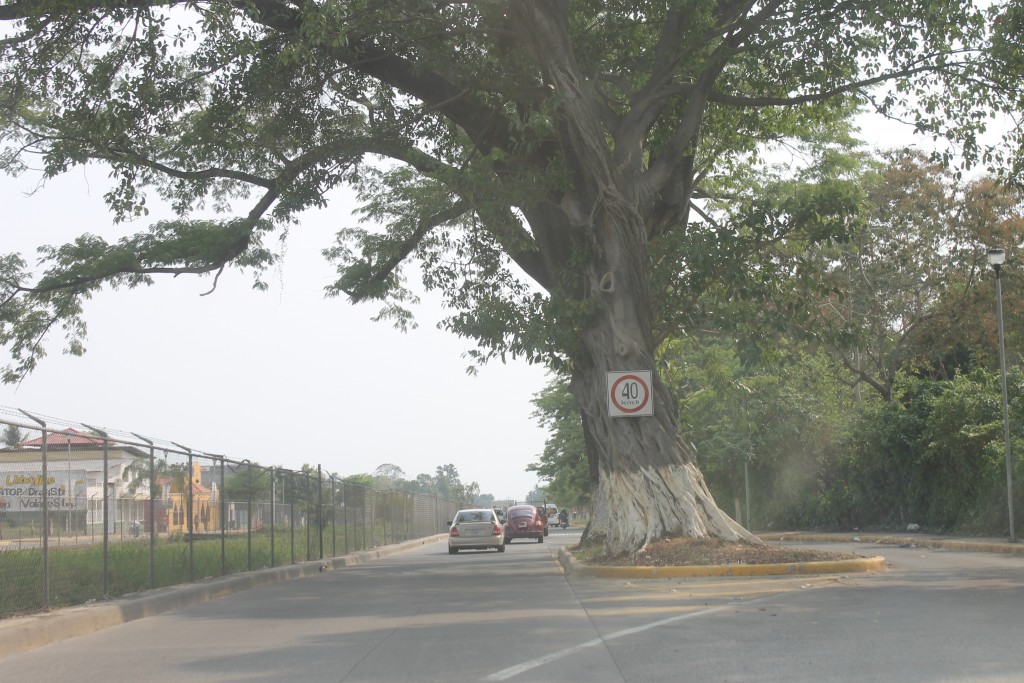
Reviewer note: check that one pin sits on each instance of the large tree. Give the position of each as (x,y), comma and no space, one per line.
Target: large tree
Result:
(552,167)
(917,290)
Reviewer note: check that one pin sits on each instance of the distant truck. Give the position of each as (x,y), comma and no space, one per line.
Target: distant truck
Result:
(501,507)
(550,513)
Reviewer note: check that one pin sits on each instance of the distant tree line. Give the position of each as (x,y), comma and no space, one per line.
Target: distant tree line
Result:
(445,483)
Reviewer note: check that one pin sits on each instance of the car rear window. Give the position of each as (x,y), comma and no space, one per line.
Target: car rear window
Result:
(474,517)
(520,513)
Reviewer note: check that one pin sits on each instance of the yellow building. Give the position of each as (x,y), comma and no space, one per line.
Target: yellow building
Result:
(205,508)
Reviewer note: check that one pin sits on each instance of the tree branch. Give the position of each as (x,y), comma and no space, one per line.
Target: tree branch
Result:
(210,173)
(25,9)
(382,271)
(767,101)
(124,264)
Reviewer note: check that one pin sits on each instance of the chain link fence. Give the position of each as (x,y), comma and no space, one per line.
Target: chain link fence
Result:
(89,513)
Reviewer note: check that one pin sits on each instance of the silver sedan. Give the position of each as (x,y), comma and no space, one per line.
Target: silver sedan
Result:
(476,529)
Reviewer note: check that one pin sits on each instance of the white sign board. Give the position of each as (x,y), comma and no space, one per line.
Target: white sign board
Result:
(22,491)
(629,394)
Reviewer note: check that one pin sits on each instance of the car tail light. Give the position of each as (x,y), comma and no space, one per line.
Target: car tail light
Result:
(496,531)
(454,531)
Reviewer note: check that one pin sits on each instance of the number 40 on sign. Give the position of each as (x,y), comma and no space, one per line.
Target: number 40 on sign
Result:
(629,394)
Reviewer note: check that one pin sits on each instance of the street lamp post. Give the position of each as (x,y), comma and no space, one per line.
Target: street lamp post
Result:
(996,258)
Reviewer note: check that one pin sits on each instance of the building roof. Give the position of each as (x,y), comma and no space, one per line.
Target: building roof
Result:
(64,438)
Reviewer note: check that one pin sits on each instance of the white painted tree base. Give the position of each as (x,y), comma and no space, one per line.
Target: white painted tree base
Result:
(632,509)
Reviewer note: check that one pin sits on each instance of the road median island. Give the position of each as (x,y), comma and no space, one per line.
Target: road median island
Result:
(576,568)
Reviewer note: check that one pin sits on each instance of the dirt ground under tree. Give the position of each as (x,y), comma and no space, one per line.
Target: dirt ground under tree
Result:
(687,551)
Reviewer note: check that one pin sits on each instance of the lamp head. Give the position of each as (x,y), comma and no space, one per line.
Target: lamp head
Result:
(996,257)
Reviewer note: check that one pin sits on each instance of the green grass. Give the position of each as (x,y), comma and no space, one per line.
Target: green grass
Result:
(76,572)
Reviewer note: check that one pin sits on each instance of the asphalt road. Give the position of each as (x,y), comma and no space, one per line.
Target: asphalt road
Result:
(482,616)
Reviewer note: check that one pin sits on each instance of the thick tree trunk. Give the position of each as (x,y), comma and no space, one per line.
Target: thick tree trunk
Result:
(647,484)
(646,481)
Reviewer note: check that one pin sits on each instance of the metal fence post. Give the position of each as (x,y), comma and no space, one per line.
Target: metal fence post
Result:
(291,517)
(273,514)
(152,510)
(106,517)
(191,528)
(45,484)
(320,508)
(46,514)
(248,514)
(223,522)
(334,520)
(307,515)
(152,516)
(106,509)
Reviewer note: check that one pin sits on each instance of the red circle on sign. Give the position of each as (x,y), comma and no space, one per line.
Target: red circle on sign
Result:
(647,394)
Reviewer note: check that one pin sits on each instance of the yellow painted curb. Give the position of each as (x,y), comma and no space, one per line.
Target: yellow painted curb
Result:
(867,564)
(960,545)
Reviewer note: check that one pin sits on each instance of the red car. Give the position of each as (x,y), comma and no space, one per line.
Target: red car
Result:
(525,521)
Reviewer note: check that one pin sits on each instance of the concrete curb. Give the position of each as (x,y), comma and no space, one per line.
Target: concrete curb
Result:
(961,545)
(867,564)
(20,634)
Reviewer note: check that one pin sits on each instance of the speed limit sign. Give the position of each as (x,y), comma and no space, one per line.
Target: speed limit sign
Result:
(629,394)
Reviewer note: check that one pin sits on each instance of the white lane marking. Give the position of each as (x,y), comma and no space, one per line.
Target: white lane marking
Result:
(512,671)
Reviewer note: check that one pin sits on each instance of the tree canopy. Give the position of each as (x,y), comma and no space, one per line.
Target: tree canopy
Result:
(269,104)
(906,290)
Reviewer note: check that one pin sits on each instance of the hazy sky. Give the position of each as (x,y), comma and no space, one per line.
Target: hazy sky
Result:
(283,377)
